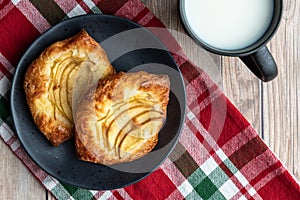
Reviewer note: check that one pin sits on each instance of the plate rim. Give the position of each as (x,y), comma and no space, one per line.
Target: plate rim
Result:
(36,41)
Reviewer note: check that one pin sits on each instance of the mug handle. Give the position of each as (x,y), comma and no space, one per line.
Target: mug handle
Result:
(262,64)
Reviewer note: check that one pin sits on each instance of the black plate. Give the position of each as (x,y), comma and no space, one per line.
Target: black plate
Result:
(132,50)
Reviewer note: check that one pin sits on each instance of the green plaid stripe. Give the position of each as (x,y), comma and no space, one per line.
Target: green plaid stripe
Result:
(96,10)
(185,163)
(5,85)
(65,191)
(212,180)
(218,177)
(205,180)
(49,9)
(78,193)
(4,109)
(53,13)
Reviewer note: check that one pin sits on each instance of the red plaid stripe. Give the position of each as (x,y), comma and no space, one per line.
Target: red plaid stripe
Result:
(110,7)
(18,35)
(229,139)
(66,6)
(33,15)
(84,6)
(281,184)
(141,14)
(4,72)
(5,7)
(156,186)
(127,12)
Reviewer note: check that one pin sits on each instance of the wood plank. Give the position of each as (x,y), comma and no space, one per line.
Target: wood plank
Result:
(16,182)
(239,84)
(281,97)
(243,89)
(50,196)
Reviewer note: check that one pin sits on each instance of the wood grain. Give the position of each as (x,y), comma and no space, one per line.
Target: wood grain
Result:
(281,97)
(272,108)
(243,89)
(16,182)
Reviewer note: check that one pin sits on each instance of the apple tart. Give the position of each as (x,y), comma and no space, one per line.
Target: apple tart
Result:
(119,119)
(52,85)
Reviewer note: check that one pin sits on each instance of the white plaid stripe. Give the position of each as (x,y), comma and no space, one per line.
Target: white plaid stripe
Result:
(208,168)
(208,100)
(50,182)
(5,86)
(78,10)
(130,13)
(213,95)
(212,98)
(191,115)
(251,191)
(241,178)
(124,194)
(89,3)
(176,194)
(199,81)
(242,198)
(66,6)
(5,132)
(257,165)
(190,143)
(257,197)
(147,18)
(1,75)
(15,2)
(239,140)
(238,177)
(6,63)
(179,55)
(268,177)
(33,15)
(94,192)
(209,165)
(221,154)
(6,10)
(191,93)
(206,135)
(106,195)
(223,158)
(173,173)
(254,168)
(228,189)
(185,188)
(15,145)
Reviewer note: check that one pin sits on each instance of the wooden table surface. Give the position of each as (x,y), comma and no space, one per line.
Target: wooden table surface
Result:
(272,108)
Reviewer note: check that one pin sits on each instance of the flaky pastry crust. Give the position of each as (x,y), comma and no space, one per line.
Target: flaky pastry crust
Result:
(51,82)
(119,119)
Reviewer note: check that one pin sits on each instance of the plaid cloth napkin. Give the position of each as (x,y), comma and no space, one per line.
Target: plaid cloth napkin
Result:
(219,155)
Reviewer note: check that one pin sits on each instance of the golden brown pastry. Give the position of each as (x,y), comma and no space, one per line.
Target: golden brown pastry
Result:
(120,118)
(52,87)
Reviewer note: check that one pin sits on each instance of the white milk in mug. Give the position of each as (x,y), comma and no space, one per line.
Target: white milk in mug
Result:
(229,24)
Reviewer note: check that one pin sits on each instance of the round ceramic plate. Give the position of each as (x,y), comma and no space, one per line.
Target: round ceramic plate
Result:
(130,48)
